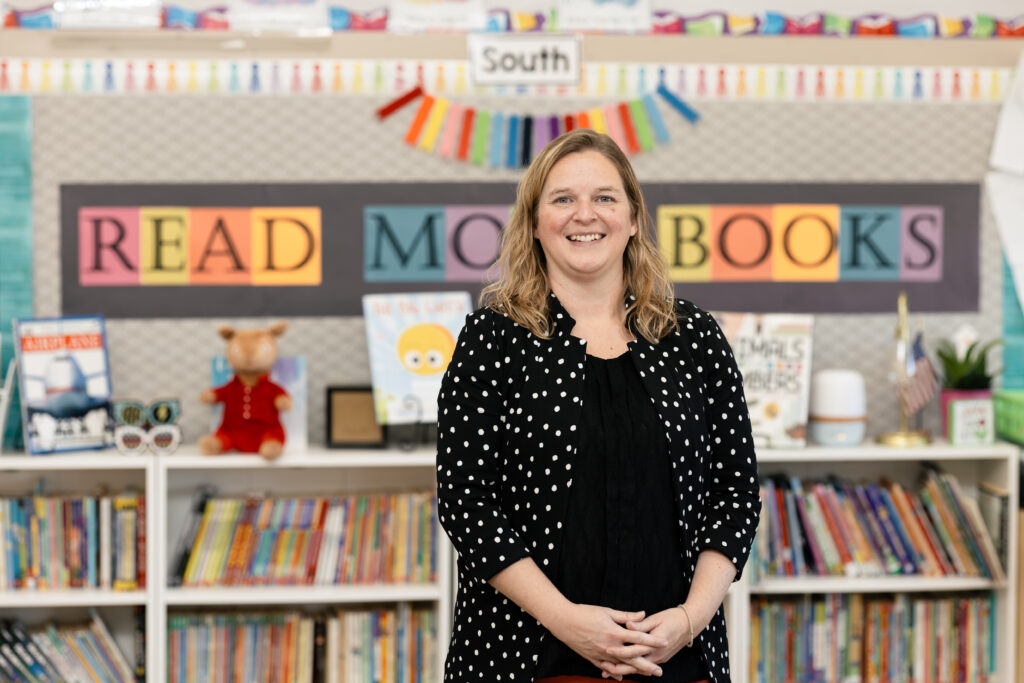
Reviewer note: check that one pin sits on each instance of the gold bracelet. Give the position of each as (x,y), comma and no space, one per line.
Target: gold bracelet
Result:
(689,623)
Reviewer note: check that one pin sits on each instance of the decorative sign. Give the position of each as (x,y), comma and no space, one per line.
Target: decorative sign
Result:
(148,245)
(971,421)
(810,243)
(523,59)
(803,248)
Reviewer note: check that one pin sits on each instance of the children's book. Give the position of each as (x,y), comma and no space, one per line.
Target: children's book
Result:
(411,338)
(65,383)
(290,373)
(773,352)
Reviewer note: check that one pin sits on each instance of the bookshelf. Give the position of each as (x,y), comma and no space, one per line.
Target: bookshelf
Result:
(316,472)
(169,483)
(970,464)
(77,474)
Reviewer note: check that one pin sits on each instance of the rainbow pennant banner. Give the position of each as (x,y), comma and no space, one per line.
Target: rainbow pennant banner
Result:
(447,78)
(512,140)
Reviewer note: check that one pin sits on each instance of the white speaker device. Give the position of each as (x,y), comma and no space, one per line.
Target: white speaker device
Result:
(838,411)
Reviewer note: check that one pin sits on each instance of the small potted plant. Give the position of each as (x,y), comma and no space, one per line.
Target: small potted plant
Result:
(966,396)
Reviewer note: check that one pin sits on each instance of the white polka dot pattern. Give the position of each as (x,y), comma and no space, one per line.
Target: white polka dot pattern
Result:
(507,415)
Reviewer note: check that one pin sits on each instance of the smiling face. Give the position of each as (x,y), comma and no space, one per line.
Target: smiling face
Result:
(584,220)
(425,349)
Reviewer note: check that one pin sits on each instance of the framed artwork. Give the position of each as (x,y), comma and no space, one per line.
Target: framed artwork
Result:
(351,421)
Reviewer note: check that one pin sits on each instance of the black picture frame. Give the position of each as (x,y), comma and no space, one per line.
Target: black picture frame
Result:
(351,419)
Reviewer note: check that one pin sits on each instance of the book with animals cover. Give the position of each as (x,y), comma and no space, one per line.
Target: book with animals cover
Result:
(773,352)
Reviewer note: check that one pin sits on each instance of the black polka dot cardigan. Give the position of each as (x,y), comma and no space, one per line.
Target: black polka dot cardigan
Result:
(507,416)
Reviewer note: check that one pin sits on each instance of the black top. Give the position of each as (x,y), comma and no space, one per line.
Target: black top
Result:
(620,542)
(509,415)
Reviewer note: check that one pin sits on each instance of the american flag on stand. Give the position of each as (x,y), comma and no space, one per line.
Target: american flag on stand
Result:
(920,384)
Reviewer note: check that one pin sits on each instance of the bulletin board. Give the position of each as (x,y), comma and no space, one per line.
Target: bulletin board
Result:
(312,139)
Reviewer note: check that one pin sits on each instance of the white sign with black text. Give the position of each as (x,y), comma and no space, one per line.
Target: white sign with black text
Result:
(501,59)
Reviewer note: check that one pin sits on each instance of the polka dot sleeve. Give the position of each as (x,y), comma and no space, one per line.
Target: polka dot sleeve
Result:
(470,421)
(732,505)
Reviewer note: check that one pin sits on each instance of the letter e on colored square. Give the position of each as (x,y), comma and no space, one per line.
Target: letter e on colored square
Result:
(164,233)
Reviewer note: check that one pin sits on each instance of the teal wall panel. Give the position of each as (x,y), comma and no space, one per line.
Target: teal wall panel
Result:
(15,234)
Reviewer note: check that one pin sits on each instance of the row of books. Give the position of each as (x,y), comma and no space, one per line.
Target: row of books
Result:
(857,639)
(366,538)
(397,645)
(838,527)
(52,542)
(82,652)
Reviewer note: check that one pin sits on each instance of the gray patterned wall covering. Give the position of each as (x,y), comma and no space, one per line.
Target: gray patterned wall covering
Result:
(316,139)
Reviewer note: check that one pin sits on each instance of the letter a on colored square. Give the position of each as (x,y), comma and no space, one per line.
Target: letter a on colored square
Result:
(220,246)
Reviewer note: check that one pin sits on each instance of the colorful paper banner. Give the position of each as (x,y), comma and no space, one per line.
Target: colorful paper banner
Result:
(326,77)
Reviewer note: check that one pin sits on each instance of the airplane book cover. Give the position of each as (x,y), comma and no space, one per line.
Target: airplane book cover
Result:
(64,379)
(411,338)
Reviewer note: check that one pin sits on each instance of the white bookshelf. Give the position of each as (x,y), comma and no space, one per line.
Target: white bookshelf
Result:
(169,483)
(316,471)
(997,463)
(77,473)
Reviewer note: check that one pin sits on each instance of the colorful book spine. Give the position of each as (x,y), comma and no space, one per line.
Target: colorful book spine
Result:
(911,553)
(882,514)
(812,543)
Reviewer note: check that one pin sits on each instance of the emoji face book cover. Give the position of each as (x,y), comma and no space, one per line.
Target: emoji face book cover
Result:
(411,338)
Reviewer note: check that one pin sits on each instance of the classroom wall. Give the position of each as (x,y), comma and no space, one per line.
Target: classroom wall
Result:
(80,139)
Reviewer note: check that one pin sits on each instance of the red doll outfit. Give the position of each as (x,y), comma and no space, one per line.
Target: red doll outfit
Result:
(250,417)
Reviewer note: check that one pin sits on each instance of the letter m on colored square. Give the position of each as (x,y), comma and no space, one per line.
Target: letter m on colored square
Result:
(403,244)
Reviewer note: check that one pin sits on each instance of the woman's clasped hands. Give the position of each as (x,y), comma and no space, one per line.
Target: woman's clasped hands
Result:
(623,643)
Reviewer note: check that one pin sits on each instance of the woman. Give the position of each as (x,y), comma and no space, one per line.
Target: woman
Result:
(596,472)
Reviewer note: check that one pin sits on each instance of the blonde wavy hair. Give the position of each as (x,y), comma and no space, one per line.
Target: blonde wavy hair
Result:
(522,288)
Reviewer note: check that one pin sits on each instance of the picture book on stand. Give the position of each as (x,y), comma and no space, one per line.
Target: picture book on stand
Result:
(773,352)
(411,338)
(64,379)
(290,373)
